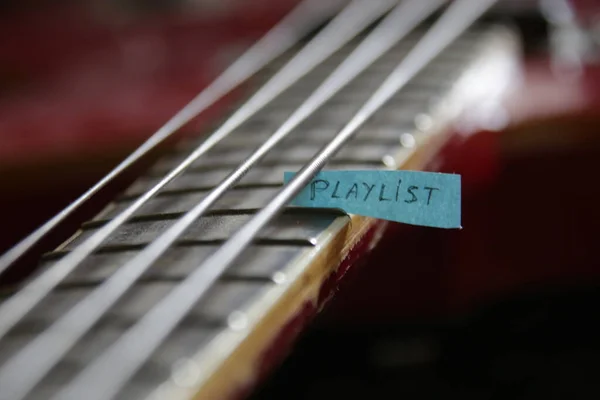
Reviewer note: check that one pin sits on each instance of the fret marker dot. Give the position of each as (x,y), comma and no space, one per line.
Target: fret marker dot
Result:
(423,122)
(185,373)
(237,321)
(407,140)
(389,161)
(279,277)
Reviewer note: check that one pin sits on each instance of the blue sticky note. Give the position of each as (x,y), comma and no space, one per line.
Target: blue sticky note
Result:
(412,197)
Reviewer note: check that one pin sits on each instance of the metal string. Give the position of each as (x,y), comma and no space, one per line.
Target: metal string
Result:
(38,358)
(49,347)
(346,25)
(112,370)
(280,38)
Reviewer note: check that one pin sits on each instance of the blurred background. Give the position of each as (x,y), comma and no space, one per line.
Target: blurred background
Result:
(505,308)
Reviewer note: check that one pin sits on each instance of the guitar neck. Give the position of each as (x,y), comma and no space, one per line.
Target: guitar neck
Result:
(285,276)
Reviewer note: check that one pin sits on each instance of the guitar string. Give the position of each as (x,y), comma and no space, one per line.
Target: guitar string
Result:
(49,348)
(353,19)
(113,369)
(306,16)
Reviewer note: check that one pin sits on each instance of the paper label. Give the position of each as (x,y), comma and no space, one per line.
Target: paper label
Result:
(412,197)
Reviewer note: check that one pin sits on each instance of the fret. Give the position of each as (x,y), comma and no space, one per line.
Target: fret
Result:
(365,153)
(399,115)
(260,263)
(273,116)
(351,99)
(321,129)
(404,112)
(227,296)
(342,101)
(340,55)
(318,135)
(238,199)
(297,227)
(259,176)
(332,119)
(377,133)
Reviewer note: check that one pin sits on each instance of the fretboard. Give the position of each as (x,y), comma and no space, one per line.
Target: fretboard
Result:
(219,345)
